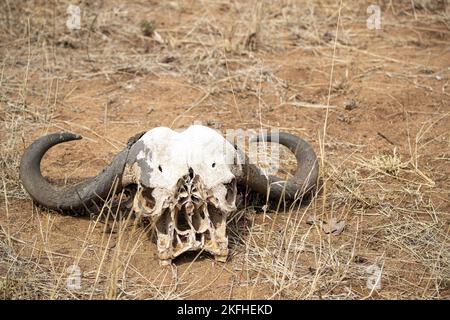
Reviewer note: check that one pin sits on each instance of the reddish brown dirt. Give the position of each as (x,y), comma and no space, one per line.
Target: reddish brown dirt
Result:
(398,77)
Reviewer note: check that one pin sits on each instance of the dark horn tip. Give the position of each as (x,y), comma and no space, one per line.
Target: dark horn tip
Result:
(67,136)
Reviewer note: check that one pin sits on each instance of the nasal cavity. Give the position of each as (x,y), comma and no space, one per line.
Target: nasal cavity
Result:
(191,173)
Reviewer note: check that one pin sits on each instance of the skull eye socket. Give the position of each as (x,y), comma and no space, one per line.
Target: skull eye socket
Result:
(215,216)
(163,223)
(231,187)
(149,200)
(213,165)
(160,168)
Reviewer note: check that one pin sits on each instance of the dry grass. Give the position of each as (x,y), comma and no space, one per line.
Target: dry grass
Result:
(292,65)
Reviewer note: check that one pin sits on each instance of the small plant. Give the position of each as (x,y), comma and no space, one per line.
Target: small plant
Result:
(391,164)
(147,27)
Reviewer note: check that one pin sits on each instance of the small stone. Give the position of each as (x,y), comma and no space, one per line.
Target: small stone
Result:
(334,227)
(327,36)
(168,59)
(213,124)
(359,259)
(351,104)
(311,220)
(130,87)
(426,71)
(165,262)
(221,259)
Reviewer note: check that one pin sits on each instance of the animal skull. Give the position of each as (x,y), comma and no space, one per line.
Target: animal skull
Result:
(186,186)
(186,183)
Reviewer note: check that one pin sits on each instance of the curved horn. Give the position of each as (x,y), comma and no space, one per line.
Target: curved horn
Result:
(75,197)
(305,176)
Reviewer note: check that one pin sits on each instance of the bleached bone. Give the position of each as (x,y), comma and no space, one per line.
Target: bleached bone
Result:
(186,186)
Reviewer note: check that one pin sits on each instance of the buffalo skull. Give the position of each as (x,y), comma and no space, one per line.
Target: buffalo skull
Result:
(186,183)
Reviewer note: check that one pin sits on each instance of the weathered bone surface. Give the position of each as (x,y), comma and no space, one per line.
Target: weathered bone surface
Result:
(186,183)
(186,187)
